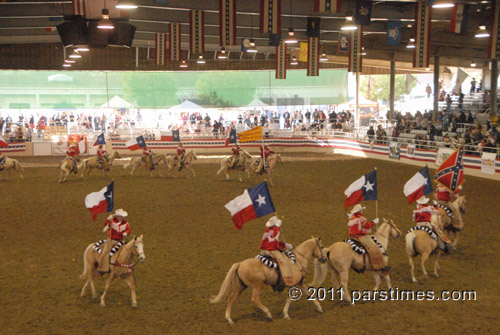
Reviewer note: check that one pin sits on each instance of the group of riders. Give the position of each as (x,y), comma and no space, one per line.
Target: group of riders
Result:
(265,152)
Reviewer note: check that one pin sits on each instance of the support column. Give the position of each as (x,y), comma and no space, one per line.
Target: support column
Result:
(356,112)
(392,85)
(436,88)
(493,86)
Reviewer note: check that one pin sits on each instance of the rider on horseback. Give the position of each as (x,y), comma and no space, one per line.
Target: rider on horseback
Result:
(102,157)
(70,155)
(2,161)
(265,152)
(444,195)
(423,215)
(236,153)
(118,229)
(147,158)
(180,155)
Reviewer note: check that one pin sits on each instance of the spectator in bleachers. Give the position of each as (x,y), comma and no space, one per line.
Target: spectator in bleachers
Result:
(381,135)
(371,133)
(448,103)
(461,100)
(462,118)
(473,85)
(395,132)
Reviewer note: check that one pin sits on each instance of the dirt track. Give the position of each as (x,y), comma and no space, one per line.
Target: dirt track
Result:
(190,244)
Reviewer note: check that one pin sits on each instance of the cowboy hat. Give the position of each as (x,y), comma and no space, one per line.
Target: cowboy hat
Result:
(357,208)
(274,221)
(72,145)
(120,212)
(422,200)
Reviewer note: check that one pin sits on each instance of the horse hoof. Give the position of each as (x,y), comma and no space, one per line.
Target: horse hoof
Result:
(414,280)
(320,310)
(230,322)
(287,318)
(103,304)
(134,305)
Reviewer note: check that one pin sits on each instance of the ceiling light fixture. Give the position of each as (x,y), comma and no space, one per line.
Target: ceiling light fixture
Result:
(105,22)
(183,64)
(473,64)
(411,44)
(200,60)
(82,49)
(363,52)
(294,61)
(126,4)
(69,61)
(482,32)
(223,54)
(75,55)
(323,57)
(348,24)
(66,65)
(443,4)
(291,37)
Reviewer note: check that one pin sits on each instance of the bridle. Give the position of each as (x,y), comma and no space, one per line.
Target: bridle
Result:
(391,225)
(322,260)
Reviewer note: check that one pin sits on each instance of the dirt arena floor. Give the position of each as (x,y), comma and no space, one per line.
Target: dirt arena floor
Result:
(190,244)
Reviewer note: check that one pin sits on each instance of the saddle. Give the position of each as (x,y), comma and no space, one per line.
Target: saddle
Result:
(374,250)
(284,263)
(426,229)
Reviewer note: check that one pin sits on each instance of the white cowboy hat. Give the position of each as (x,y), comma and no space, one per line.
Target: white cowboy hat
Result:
(357,208)
(120,212)
(72,145)
(274,221)
(422,200)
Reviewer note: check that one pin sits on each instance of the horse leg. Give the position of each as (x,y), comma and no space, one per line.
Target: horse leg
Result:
(387,280)
(436,264)
(130,280)
(412,269)
(238,288)
(344,277)
(108,284)
(376,275)
(191,169)
(270,173)
(423,258)
(256,300)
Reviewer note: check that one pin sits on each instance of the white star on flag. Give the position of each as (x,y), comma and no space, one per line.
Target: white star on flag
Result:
(261,200)
(368,186)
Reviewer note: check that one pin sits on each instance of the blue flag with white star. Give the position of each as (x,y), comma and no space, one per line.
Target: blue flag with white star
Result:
(365,188)
(141,142)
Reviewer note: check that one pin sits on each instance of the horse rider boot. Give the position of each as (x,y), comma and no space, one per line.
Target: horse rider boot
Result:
(180,161)
(151,162)
(425,215)
(360,229)
(271,246)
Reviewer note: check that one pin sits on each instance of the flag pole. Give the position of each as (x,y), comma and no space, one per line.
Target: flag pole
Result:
(376,201)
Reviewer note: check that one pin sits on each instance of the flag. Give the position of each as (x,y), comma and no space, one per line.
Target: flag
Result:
(451,172)
(313,56)
(175,41)
(79,7)
(461,76)
(363,14)
(254,134)
(281,61)
(270,16)
(303,51)
(494,45)
(458,22)
(3,144)
(327,6)
(80,141)
(175,135)
(231,137)
(197,32)
(393,33)
(133,145)
(160,47)
(355,47)
(313,26)
(254,203)
(365,188)
(100,140)
(421,52)
(344,39)
(409,80)
(101,201)
(418,185)
(227,22)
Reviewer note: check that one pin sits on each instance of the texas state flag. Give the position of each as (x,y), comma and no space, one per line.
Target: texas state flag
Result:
(100,140)
(252,204)
(136,144)
(418,186)
(365,188)
(102,201)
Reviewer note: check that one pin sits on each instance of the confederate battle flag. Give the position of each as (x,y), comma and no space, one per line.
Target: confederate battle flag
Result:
(451,172)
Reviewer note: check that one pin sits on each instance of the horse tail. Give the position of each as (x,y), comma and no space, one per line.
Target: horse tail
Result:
(83,164)
(410,244)
(86,265)
(320,272)
(226,284)
(18,166)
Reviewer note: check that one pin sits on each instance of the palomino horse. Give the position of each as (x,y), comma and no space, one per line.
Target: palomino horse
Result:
(456,224)
(271,163)
(123,267)
(252,273)
(188,162)
(12,164)
(341,258)
(135,162)
(92,163)
(66,168)
(241,165)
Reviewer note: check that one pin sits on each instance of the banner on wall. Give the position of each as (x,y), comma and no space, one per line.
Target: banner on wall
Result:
(442,155)
(410,151)
(394,150)
(488,163)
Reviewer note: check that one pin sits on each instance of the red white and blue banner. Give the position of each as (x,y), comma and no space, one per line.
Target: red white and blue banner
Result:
(458,23)
(365,188)
(231,137)
(197,32)
(421,53)
(101,201)
(79,7)
(451,172)
(270,16)
(418,185)
(494,45)
(160,48)
(100,140)
(355,47)
(254,203)
(136,144)
(327,6)
(3,143)
(313,56)
(227,22)
(175,41)
(281,60)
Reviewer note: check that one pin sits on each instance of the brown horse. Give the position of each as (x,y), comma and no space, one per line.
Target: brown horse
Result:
(66,168)
(189,157)
(242,164)
(122,268)
(92,163)
(135,162)
(12,164)
(341,258)
(252,273)
(272,161)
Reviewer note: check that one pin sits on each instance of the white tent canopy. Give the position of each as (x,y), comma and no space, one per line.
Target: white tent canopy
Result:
(186,105)
(117,102)
(257,103)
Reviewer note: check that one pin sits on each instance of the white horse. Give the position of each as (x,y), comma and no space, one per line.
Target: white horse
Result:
(122,268)
(135,162)
(11,164)
(189,157)
(92,163)
(242,164)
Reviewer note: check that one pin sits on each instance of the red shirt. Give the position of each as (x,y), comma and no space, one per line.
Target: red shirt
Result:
(423,213)
(117,228)
(101,152)
(236,151)
(265,152)
(270,239)
(442,193)
(71,152)
(181,151)
(146,152)
(358,225)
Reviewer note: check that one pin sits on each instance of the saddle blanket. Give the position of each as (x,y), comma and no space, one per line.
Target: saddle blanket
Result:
(271,262)
(97,247)
(429,231)
(359,248)
(447,209)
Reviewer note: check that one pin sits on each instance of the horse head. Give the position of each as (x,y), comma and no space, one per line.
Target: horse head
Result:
(462,204)
(318,250)
(394,231)
(139,248)
(116,154)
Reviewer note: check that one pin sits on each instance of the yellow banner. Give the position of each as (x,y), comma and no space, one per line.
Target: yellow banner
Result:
(303,52)
(254,134)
